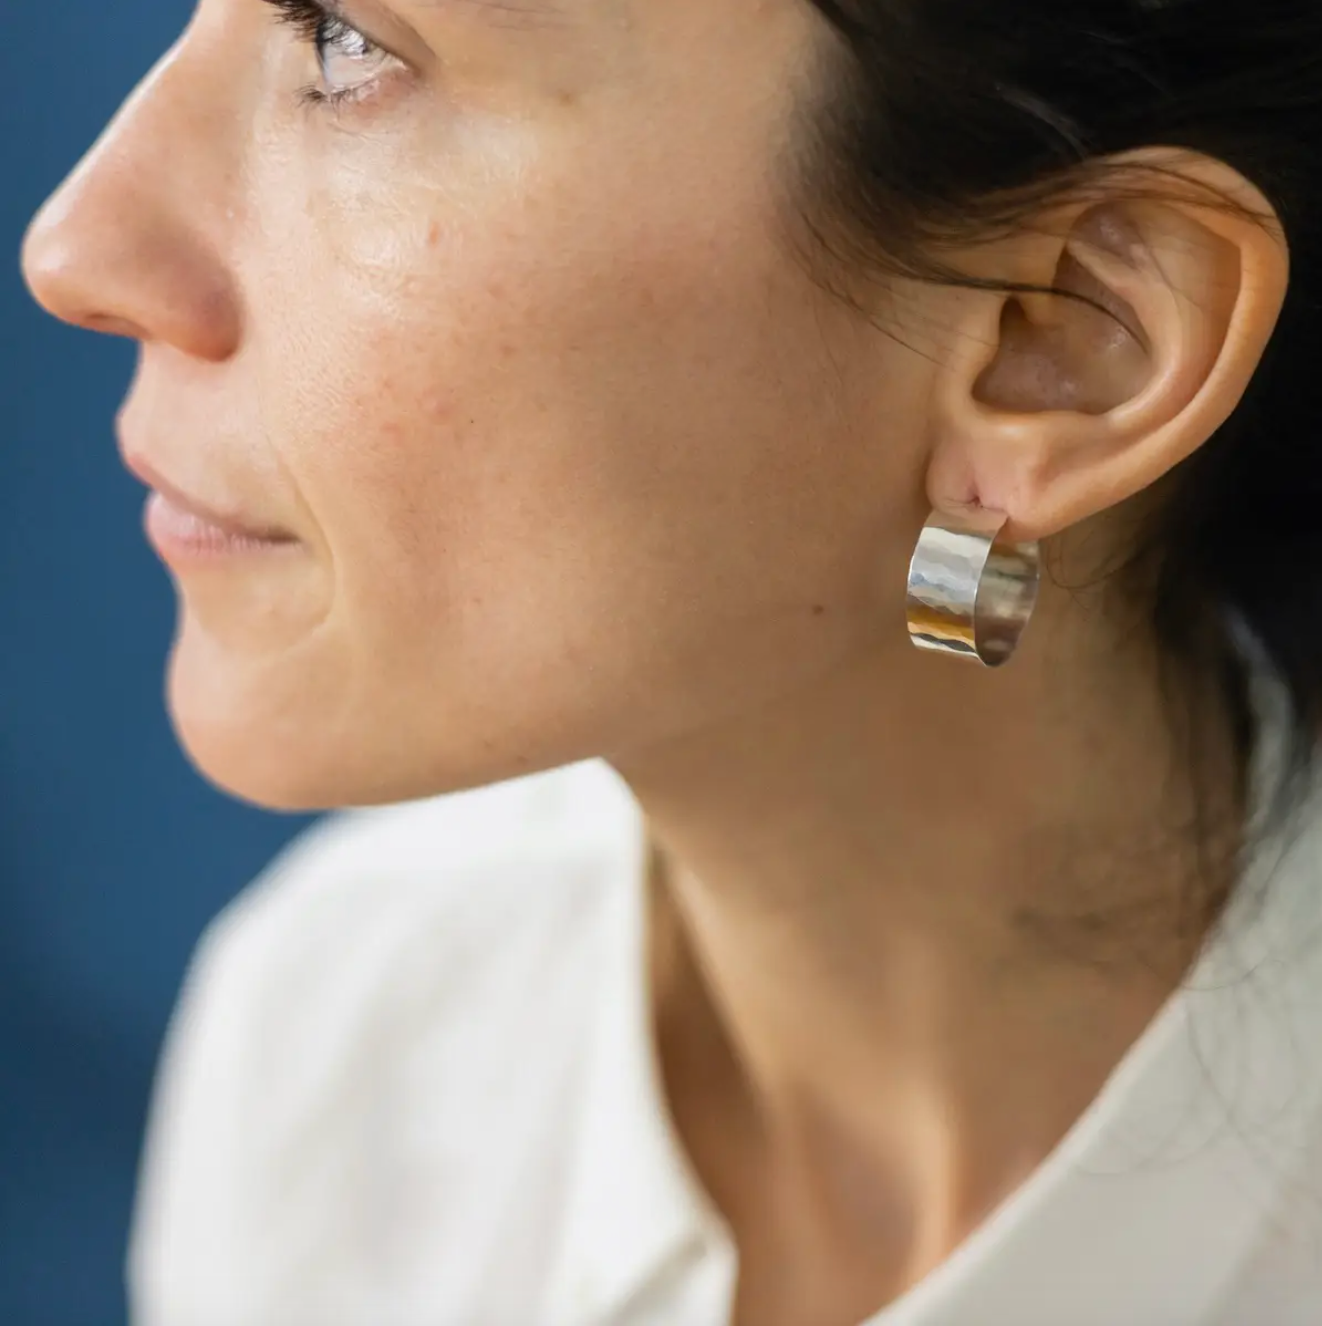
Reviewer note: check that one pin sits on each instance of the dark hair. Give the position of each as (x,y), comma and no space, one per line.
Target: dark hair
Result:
(954,120)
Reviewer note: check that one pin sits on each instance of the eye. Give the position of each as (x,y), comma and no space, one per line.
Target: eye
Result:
(350,62)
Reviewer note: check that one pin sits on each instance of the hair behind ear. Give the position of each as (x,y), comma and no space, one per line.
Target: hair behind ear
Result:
(955,121)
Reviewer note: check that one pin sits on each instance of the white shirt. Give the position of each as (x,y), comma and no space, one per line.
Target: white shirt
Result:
(411,1083)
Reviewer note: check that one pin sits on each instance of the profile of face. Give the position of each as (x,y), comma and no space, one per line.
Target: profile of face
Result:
(486,332)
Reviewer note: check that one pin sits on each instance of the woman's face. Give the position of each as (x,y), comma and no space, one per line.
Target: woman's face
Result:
(510,344)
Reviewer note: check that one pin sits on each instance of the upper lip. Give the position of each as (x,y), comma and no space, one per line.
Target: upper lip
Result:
(229,522)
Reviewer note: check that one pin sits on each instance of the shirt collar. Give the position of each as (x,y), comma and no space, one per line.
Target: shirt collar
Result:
(1146,1212)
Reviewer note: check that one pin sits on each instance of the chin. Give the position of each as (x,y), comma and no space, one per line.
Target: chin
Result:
(270,747)
(287,749)
(251,740)
(272,775)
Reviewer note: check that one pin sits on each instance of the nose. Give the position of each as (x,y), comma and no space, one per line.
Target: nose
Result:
(129,244)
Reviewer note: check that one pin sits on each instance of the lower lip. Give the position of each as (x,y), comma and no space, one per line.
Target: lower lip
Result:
(180,535)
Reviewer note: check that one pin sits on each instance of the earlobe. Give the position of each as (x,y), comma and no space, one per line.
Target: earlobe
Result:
(1066,404)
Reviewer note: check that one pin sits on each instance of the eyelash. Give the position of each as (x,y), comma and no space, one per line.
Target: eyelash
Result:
(319,26)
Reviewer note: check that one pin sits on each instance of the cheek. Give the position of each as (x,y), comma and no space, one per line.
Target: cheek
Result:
(420,435)
(593,460)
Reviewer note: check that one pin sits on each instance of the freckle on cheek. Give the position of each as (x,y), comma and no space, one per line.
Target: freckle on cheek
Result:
(443,410)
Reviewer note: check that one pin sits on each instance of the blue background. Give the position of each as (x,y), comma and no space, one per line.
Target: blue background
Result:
(113,853)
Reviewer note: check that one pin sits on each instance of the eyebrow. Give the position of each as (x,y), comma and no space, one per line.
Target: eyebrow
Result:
(513,13)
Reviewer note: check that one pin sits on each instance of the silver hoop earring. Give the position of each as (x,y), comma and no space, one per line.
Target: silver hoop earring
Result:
(971,592)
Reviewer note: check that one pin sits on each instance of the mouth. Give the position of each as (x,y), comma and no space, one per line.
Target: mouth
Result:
(182,528)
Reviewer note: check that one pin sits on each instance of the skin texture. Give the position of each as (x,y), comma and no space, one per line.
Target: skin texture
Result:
(578,458)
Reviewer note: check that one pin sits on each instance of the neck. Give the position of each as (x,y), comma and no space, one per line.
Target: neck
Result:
(907,925)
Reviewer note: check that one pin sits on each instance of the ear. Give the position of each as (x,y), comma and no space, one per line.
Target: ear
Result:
(1058,406)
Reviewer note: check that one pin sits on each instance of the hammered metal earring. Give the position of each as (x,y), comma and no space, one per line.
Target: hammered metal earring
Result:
(971,591)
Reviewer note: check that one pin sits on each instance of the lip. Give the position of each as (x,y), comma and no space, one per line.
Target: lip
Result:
(178,525)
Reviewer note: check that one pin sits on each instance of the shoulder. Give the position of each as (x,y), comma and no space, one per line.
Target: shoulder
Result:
(329,996)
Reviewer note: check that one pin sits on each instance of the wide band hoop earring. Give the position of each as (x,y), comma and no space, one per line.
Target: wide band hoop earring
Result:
(971,591)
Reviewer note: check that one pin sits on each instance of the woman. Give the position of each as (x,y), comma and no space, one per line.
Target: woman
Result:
(562,406)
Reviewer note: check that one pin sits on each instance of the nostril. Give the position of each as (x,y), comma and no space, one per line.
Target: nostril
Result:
(111,326)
